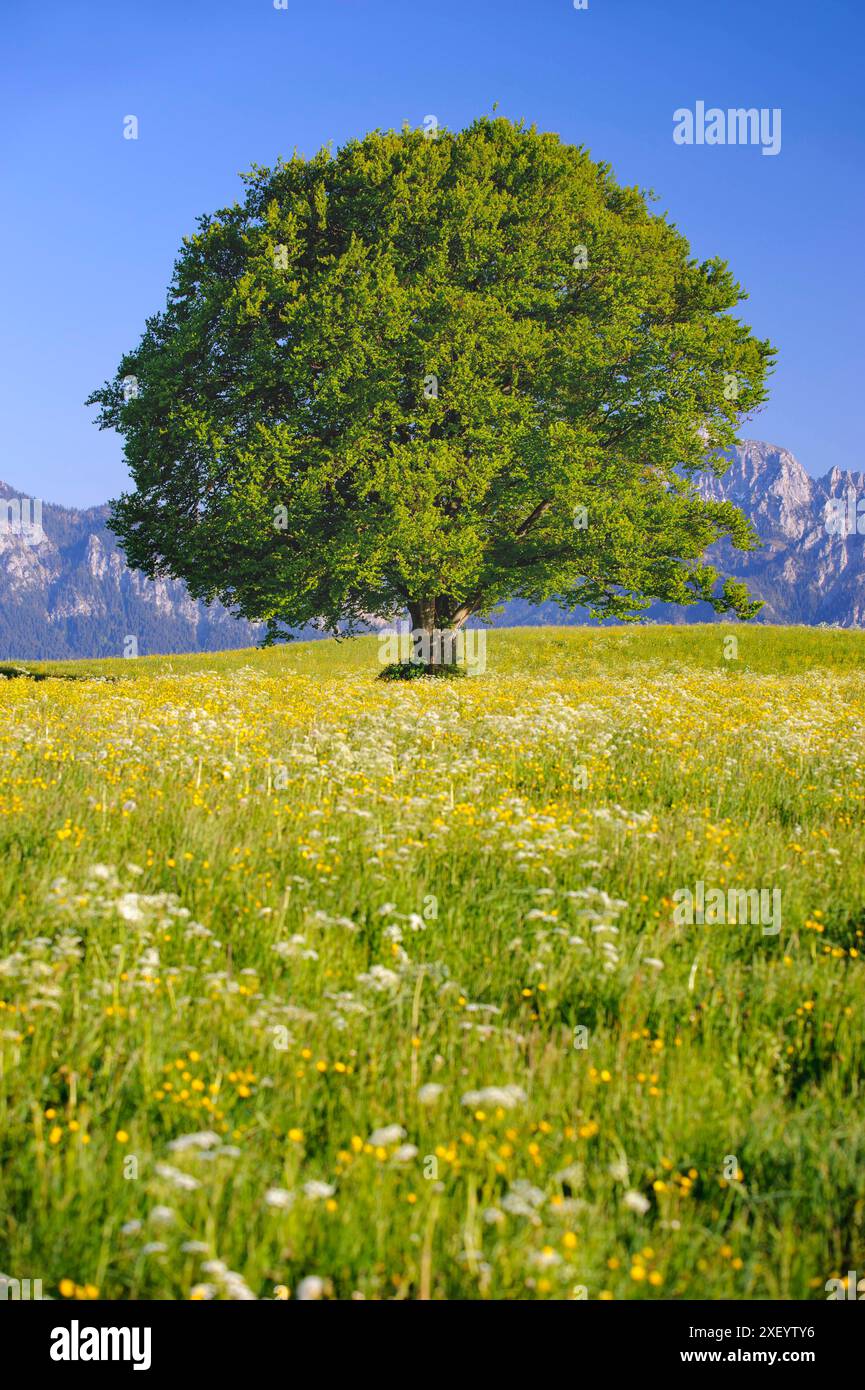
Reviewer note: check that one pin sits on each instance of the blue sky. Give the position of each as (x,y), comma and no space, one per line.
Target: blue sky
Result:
(93,221)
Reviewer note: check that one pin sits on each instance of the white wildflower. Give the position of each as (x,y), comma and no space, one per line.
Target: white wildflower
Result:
(129,909)
(405,1153)
(310,1288)
(508,1097)
(318,1191)
(205,1139)
(279,1197)
(635,1201)
(429,1094)
(545,1259)
(389,1134)
(380,978)
(184,1181)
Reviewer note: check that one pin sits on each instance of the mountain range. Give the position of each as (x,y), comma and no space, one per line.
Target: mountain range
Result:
(66,590)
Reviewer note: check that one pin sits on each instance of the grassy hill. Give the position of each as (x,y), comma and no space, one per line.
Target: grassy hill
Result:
(308,977)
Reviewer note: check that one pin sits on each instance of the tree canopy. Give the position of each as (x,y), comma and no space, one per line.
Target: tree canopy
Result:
(436,374)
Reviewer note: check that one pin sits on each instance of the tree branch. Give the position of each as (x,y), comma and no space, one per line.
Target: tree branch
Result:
(536,515)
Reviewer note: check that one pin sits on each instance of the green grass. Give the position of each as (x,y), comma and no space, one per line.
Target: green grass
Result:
(267,898)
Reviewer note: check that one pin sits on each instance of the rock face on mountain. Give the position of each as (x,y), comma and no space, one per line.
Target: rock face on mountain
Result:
(811,568)
(66,591)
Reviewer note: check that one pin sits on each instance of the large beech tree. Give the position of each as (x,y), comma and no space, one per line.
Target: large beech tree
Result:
(436,374)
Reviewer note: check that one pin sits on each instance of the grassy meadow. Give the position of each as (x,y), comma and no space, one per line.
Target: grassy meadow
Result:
(317,986)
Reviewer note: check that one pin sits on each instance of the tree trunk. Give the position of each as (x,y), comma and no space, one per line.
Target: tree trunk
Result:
(434,635)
